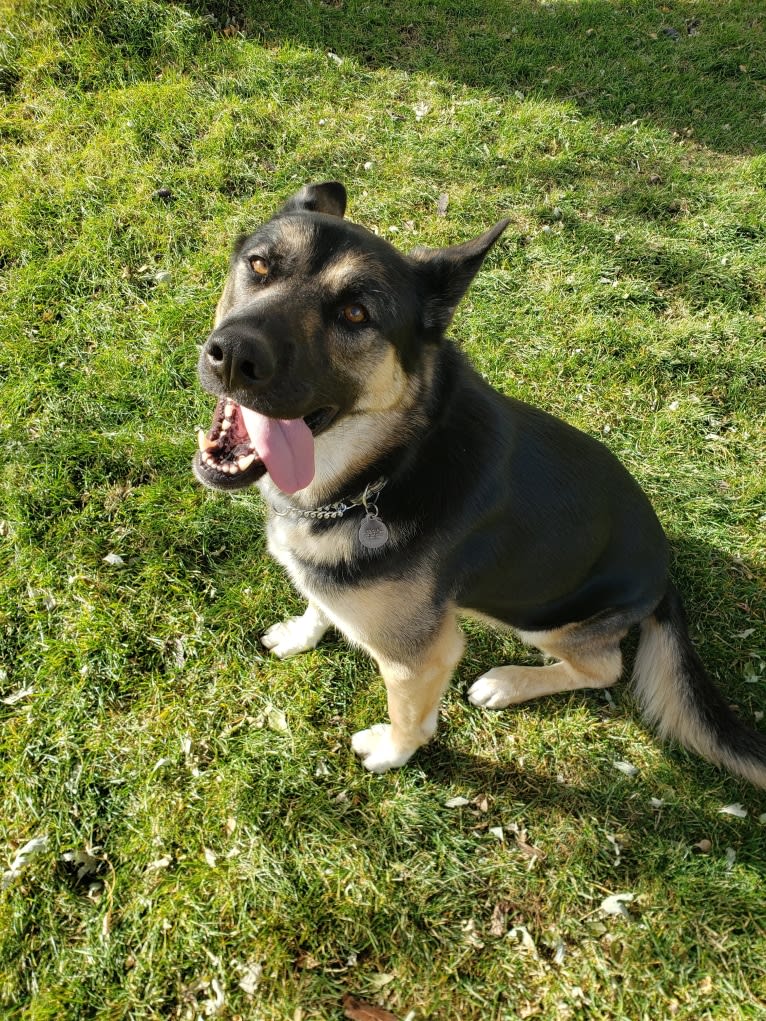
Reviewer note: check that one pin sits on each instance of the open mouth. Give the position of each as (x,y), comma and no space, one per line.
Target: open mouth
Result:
(242,445)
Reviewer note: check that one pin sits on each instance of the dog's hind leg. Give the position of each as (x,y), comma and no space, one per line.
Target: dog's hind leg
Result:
(588,658)
(414,686)
(296,634)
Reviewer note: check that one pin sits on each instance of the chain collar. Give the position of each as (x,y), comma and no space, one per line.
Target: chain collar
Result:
(337,510)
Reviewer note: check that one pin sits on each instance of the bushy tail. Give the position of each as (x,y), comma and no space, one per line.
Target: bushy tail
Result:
(679,698)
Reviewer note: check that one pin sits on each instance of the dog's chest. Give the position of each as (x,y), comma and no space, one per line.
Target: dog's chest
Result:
(307,552)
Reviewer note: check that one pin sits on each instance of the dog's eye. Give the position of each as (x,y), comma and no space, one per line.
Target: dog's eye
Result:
(259,266)
(355,314)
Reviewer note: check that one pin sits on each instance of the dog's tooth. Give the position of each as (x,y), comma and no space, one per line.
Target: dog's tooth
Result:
(206,457)
(245,461)
(203,442)
(225,425)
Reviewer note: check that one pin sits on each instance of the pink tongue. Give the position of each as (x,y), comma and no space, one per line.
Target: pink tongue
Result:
(286,447)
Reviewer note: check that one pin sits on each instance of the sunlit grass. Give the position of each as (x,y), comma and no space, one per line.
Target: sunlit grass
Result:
(233,834)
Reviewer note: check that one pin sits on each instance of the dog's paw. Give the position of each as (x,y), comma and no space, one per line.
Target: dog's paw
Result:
(377,750)
(495,692)
(291,637)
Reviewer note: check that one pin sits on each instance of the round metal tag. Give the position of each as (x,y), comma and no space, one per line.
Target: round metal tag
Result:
(372,532)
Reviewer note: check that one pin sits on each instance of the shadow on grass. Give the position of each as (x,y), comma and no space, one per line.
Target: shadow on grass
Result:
(724,598)
(696,69)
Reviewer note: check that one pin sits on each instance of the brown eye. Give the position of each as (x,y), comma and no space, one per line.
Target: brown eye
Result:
(259,266)
(355,314)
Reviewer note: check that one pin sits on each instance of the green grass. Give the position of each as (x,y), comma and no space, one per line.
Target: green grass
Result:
(233,825)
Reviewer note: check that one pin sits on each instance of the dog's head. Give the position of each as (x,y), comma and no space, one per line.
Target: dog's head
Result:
(318,318)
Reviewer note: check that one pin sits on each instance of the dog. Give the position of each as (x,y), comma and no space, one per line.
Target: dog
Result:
(404,492)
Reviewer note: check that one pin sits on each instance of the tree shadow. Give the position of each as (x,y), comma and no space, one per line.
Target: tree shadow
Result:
(696,70)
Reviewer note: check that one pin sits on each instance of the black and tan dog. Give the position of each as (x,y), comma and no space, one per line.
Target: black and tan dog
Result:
(404,491)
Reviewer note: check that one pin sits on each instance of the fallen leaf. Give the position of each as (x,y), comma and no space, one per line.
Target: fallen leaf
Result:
(616,847)
(87,863)
(626,767)
(17,696)
(114,560)
(704,846)
(522,842)
(442,203)
(499,924)
(421,108)
(29,851)
(215,1003)
(160,863)
(307,961)
(734,809)
(251,974)
(456,802)
(24,856)
(472,938)
(521,933)
(360,1010)
(530,1009)
(615,905)
(381,979)
(731,856)
(277,721)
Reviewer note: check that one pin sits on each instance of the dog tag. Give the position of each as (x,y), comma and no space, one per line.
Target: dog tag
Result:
(372,532)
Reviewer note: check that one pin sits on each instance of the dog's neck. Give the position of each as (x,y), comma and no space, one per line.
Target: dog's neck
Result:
(355,450)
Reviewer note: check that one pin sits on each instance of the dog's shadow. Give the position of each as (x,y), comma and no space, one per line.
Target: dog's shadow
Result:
(725,601)
(724,596)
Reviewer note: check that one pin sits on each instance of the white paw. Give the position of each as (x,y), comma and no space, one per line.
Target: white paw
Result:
(377,750)
(291,637)
(494,692)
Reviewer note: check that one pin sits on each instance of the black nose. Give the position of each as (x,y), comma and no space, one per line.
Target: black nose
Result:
(239,357)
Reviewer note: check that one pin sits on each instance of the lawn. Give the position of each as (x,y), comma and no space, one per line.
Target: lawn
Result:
(205,844)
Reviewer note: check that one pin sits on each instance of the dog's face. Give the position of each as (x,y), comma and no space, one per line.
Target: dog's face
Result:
(319,319)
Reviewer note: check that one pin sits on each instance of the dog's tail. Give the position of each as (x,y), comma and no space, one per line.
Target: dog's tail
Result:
(679,698)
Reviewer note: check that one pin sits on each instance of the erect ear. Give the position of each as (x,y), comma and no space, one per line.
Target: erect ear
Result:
(446,274)
(328,197)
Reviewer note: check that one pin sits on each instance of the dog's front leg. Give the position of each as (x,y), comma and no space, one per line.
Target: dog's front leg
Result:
(296,634)
(414,685)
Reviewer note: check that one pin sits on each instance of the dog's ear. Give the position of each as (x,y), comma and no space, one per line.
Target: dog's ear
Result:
(446,274)
(328,197)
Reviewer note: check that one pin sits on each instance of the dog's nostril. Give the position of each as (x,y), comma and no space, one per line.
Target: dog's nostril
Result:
(215,353)
(250,372)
